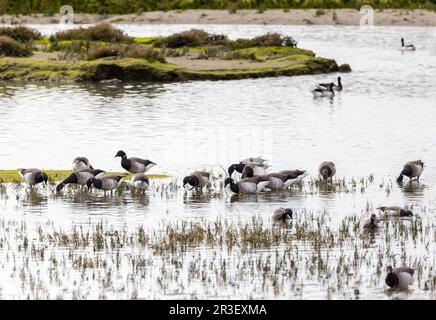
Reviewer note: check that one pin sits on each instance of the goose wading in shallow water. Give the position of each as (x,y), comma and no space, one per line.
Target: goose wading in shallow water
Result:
(324,92)
(407,47)
(80,177)
(140,182)
(371,225)
(399,278)
(396,211)
(248,169)
(247,185)
(327,170)
(325,86)
(33,176)
(134,165)
(297,175)
(197,180)
(412,170)
(105,183)
(81,163)
(282,214)
(280,181)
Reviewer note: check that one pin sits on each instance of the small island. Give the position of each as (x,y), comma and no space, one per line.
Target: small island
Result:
(105,53)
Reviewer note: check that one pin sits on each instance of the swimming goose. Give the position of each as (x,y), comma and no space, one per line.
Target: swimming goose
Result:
(324,92)
(409,47)
(81,163)
(248,170)
(80,177)
(399,278)
(134,165)
(327,169)
(281,214)
(33,176)
(140,181)
(412,170)
(396,211)
(106,183)
(325,86)
(197,179)
(247,185)
(371,225)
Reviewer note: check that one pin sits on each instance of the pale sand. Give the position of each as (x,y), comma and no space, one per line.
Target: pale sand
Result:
(391,17)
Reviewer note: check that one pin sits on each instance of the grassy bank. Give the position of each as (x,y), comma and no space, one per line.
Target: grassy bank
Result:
(139,6)
(102,52)
(59,175)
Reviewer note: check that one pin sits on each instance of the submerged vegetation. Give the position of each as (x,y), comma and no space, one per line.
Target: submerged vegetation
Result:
(103,52)
(138,6)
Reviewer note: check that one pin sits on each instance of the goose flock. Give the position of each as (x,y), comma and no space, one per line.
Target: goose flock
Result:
(254,178)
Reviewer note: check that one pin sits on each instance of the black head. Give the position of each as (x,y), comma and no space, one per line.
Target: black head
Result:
(236,167)
(228,181)
(192,180)
(406,213)
(89,183)
(373,217)
(121,154)
(391,279)
(402,41)
(325,173)
(288,213)
(41,177)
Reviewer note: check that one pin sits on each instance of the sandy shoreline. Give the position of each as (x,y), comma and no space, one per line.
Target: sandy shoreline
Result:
(388,17)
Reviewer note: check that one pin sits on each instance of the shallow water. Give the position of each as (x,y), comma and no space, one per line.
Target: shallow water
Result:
(382,119)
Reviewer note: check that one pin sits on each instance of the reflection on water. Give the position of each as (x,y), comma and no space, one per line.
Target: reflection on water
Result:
(380,121)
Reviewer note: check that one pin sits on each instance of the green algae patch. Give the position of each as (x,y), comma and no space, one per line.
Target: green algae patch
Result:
(59,175)
(269,62)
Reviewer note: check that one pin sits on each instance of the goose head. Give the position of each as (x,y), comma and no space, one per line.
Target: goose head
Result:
(236,167)
(121,154)
(287,213)
(192,180)
(406,213)
(228,181)
(41,177)
(325,173)
(392,279)
(402,42)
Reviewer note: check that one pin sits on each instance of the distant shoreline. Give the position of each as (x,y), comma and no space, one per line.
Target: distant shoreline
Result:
(386,17)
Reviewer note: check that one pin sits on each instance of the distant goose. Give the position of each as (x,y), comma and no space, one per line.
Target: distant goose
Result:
(408,47)
(105,183)
(197,179)
(371,225)
(325,86)
(247,185)
(33,176)
(282,214)
(412,170)
(140,181)
(399,278)
(81,163)
(324,92)
(134,165)
(80,177)
(279,181)
(327,169)
(248,169)
(396,211)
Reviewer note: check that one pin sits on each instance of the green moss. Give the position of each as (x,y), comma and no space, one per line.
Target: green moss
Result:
(59,175)
(148,40)
(290,61)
